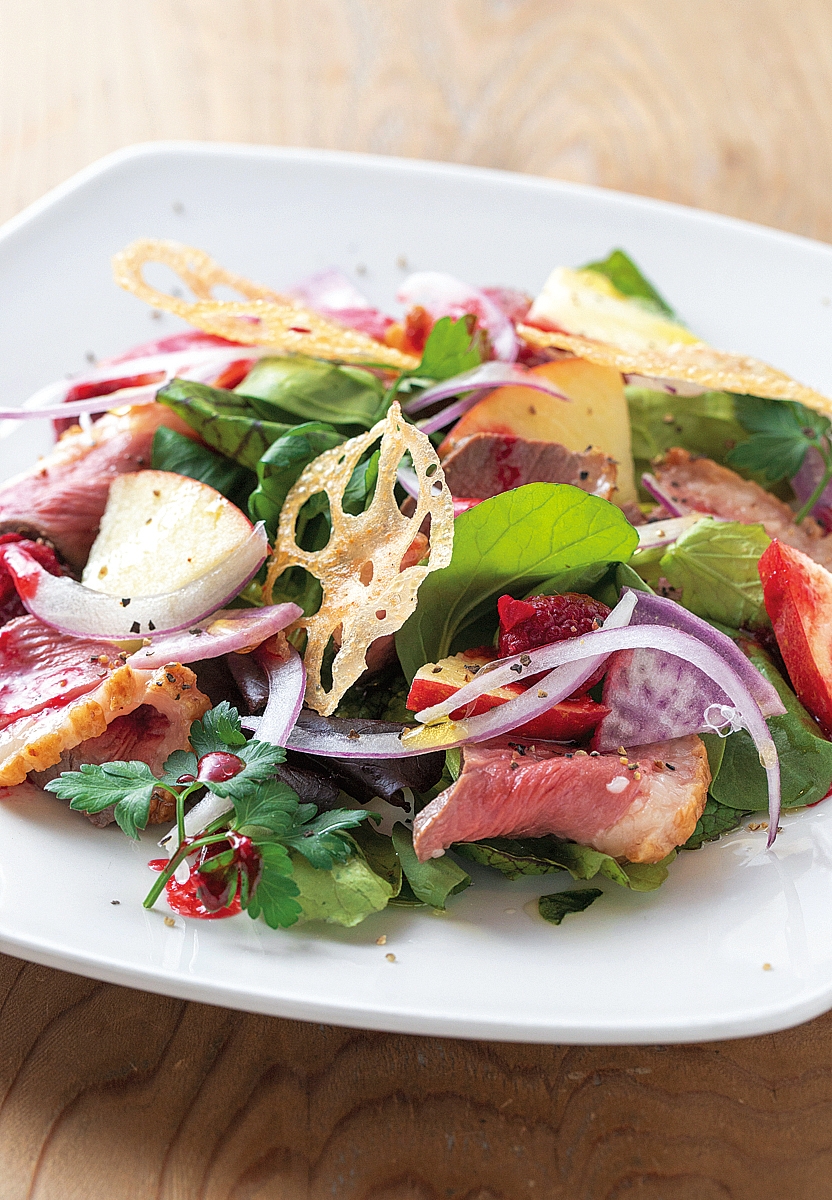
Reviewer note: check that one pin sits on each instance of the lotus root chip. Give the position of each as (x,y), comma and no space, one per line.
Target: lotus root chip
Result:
(696,362)
(261,318)
(367,593)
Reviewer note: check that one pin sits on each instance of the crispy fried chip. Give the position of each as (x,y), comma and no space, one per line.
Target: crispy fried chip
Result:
(367,592)
(263,318)
(695,362)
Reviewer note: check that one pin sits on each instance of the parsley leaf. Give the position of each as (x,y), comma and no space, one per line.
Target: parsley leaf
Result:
(219,729)
(181,762)
(128,786)
(781,433)
(276,889)
(261,760)
(321,842)
(270,811)
(451,348)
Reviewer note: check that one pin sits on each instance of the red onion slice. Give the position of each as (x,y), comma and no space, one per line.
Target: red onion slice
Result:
(509,670)
(664,533)
(488,375)
(71,608)
(287,684)
(651,484)
(445,296)
(232,629)
(199,364)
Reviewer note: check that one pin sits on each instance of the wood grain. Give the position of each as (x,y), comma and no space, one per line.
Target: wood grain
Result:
(107,1093)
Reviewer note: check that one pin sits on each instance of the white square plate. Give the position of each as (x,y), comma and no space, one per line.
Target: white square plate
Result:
(685,963)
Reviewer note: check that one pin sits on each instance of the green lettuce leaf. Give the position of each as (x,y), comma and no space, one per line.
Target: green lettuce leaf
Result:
(540,856)
(306,389)
(714,564)
(705,424)
(625,276)
(805,754)
(558,905)
(431,882)
(281,465)
(510,543)
(344,895)
(173,451)
(226,421)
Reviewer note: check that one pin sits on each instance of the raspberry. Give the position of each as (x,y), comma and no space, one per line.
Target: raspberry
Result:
(527,624)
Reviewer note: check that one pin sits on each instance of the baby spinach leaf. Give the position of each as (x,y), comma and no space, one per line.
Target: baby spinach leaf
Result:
(173,451)
(805,754)
(311,390)
(432,882)
(281,465)
(226,421)
(343,895)
(509,544)
(714,564)
(716,820)
(705,424)
(625,276)
(555,907)
(540,856)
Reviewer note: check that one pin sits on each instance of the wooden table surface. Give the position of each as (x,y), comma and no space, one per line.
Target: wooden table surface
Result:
(108,1093)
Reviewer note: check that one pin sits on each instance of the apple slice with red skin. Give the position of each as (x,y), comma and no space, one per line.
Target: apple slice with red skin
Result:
(567,721)
(798,597)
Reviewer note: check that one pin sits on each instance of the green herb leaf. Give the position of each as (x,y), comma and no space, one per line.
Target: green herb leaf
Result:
(805,755)
(434,881)
(344,895)
(540,856)
(625,276)
(716,820)
(280,467)
(715,565)
(269,811)
(261,760)
(173,451)
(227,422)
(181,762)
(276,890)
(322,841)
(510,543)
(126,785)
(219,729)
(311,390)
(781,433)
(560,904)
(451,348)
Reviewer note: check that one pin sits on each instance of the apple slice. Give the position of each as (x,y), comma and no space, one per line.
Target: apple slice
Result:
(570,720)
(798,597)
(159,532)
(598,415)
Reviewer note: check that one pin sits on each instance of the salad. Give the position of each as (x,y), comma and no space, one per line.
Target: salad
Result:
(345,603)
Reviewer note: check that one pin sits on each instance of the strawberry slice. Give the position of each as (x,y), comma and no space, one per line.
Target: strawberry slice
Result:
(568,721)
(798,597)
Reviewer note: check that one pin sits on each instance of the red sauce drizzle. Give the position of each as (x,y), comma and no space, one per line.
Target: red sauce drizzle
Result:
(183,899)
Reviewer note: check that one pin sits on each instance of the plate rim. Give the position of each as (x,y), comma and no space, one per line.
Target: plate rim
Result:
(778,1015)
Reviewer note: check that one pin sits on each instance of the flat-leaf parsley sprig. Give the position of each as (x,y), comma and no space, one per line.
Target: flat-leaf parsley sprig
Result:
(782,432)
(246,852)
